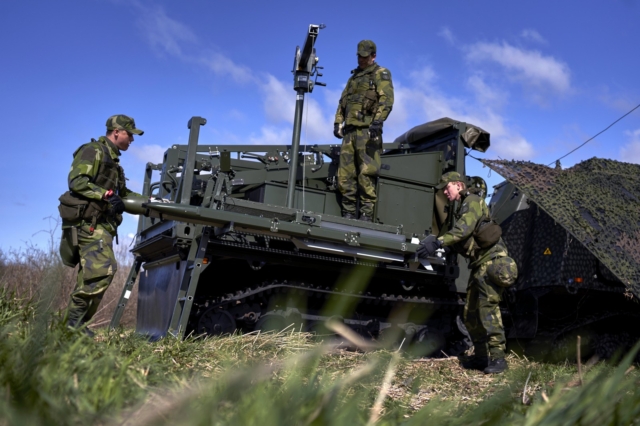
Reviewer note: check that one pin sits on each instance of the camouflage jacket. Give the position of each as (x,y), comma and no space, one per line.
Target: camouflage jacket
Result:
(92,175)
(368,96)
(471,210)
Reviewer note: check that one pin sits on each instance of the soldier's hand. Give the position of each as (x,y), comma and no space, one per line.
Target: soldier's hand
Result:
(337,130)
(428,246)
(375,129)
(117,205)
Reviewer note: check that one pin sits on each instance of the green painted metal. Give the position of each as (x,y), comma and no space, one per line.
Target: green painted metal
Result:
(405,203)
(195,266)
(126,293)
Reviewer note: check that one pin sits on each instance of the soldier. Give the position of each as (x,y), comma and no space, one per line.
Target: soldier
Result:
(477,238)
(365,104)
(91,212)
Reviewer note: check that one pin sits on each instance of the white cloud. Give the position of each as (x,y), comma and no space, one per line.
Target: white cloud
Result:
(533,35)
(529,66)
(270,135)
(420,103)
(148,153)
(280,106)
(222,65)
(630,152)
(486,94)
(446,34)
(163,32)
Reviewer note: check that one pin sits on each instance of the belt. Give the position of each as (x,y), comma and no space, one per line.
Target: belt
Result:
(351,128)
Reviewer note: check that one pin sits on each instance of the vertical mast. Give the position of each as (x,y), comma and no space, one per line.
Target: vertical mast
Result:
(304,68)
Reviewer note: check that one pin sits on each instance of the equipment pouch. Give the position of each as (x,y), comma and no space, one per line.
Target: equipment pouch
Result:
(72,207)
(487,234)
(369,102)
(503,271)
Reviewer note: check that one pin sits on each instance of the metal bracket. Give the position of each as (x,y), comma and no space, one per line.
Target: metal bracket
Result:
(274,224)
(308,218)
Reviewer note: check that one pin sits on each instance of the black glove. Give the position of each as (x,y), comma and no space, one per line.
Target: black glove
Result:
(337,131)
(117,205)
(428,246)
(375,129)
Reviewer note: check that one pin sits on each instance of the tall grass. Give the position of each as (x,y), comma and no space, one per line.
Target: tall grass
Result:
(25,271)
(50,375)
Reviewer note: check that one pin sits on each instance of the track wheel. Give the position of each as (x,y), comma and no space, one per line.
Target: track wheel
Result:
(216,322)
(272,321)
(427,343)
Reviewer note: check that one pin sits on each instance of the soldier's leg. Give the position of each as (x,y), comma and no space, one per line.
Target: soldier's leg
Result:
(472,320)
(368,159)
(489,295)
(347,174)
(97,268)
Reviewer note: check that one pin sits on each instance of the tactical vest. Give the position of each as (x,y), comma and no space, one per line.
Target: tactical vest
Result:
(361,100)
(486,234)
(110,176)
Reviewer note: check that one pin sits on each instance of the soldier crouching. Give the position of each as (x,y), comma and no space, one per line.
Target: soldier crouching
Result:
(476,237)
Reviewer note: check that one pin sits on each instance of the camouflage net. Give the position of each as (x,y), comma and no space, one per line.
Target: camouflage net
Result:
(596,201)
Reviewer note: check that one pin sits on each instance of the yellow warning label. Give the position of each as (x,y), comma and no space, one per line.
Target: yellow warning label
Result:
(547,252)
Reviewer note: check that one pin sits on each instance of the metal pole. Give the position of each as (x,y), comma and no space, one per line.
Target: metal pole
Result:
(190,162)
(295,145)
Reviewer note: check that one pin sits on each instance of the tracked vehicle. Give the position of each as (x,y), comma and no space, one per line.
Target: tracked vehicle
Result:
(250,237)
(253,236)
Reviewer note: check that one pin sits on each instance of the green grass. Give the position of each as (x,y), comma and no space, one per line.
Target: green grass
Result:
(51,375)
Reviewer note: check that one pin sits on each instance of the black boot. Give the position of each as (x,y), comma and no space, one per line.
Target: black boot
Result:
(348,215)
(496,365)
(80,325)
(475,363)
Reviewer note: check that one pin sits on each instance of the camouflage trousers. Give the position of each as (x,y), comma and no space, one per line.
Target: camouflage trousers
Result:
(97,266)
(358,171)
(481,312)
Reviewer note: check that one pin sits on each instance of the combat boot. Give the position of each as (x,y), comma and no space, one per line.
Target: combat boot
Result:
(475,363)
(496,365)
(348,215)
(365,218)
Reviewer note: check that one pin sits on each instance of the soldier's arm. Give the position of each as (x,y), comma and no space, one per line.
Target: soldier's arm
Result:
(339,119)
(384,87)
(471,213)
(125,192)
(83,169)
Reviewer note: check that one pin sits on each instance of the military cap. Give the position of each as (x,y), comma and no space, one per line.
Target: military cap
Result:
(366,48)
(449,177)
(123,122)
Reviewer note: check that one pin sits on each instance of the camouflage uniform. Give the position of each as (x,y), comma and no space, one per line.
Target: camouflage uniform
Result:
(491,271)
(89,243)
(367,97)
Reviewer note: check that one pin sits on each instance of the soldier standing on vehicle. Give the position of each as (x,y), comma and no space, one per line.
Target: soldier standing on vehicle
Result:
(91,212)
(364,105)
(476,237)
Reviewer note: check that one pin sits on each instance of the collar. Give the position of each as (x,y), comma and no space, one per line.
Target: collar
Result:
(112,147)
(368,69)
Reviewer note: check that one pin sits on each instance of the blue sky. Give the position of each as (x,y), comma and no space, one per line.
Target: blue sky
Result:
(541,76)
